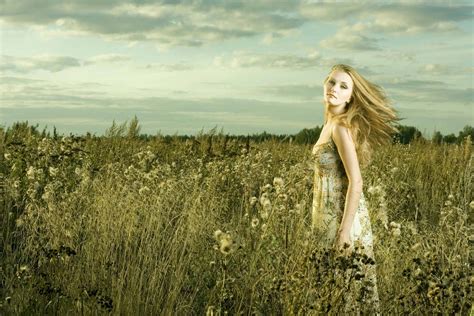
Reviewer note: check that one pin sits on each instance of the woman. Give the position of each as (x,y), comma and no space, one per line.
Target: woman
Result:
(357,118)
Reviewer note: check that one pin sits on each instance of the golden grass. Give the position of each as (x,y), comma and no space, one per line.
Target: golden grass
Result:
(166,227)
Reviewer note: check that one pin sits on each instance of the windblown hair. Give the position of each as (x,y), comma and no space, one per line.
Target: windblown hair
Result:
(370,116)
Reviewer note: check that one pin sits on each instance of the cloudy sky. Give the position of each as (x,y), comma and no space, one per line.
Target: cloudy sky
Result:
(244,66)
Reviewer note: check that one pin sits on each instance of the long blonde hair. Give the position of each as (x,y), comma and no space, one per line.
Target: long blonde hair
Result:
(369,115)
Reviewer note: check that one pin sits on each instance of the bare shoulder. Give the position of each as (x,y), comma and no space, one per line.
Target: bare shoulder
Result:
(347,152)
(341,135)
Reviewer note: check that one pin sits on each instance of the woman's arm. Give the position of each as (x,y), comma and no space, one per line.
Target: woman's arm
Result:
(347,152)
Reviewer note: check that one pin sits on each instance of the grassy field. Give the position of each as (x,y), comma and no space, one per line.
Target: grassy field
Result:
(117,225)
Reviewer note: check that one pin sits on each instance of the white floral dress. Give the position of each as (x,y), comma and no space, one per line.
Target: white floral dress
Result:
(330,188)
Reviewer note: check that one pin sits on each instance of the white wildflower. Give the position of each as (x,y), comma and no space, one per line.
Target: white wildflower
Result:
(278,182)
(226,244)
(451,197)
(254,222)
(267,187)
(30,173)
(471,205)
(217,234)
(396,232)
(395,225)
(448,203)
(394,170)
(264,198)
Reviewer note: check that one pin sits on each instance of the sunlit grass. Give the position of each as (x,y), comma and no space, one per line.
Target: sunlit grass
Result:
(99,225)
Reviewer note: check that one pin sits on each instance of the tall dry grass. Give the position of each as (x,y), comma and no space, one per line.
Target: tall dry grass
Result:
(122,226)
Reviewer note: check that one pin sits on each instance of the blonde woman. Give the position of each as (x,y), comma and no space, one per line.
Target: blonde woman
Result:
(357,118)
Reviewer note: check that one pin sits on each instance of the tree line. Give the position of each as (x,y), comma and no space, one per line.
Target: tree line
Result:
(306,136)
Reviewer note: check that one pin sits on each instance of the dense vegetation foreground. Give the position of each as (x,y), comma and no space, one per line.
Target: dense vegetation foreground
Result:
(119,225)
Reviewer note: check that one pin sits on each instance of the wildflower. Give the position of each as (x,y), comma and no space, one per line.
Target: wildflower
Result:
(253,200)
(254,222)
(217,234)
(267,205)
(264,214)
(77,171)
(278,182)
(24,268)
(471,205)
(226,246)
(396,232)
(451,197)
(284,197)
(7,156)
(264,227)
(448,203)
(395,225)
(30,173)
(267,187)
(226,243)
(394,170)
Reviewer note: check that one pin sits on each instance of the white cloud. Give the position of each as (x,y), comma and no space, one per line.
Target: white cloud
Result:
(243,59)
(106,58)
(39,62)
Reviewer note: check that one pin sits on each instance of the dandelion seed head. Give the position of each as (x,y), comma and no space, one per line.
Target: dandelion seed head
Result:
(218,234)
(396,232)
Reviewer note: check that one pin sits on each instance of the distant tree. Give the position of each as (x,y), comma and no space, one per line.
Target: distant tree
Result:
(437,138)
(407,134)
(307,136)
(467,130)
(450,138)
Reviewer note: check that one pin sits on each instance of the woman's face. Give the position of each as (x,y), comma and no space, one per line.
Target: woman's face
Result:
(338,88)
